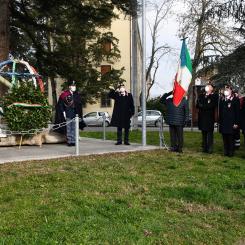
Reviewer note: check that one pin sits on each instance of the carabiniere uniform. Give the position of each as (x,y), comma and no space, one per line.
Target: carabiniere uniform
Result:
(228,117)
(207,104)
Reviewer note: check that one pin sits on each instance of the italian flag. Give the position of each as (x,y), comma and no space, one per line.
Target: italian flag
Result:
(183,76)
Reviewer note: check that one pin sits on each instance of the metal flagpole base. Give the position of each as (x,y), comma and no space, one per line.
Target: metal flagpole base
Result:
(77,135)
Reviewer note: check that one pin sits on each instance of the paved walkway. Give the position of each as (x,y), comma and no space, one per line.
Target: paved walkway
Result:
(88,146)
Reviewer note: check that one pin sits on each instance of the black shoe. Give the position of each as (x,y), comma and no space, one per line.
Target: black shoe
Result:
(71,144)
(231,154)
(126,143)
(173,149)
(118,143)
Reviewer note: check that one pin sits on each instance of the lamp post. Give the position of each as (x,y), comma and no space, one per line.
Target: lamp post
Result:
(143,97)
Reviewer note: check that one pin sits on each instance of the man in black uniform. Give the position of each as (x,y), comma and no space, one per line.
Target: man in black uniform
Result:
(122,112)
(229,111)
(237,138)
(242,116)
(207,103)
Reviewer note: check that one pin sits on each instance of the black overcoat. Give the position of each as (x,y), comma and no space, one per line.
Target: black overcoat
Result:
(207,105)
(123,109)
(229,110)
(242,115)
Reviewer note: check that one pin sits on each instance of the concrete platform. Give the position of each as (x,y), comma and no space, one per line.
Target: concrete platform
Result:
(88,146)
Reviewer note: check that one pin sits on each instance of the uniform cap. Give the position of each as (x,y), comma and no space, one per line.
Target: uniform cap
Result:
(72,83)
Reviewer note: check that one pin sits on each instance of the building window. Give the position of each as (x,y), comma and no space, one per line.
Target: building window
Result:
(107,47)
(105,100)
(105,69)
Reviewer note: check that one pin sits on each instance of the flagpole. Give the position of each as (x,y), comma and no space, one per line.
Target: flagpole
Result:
(143,95)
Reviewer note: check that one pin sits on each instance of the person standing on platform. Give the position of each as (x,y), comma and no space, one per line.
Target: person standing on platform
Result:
(206,104)
(229,111)
(122,112)
(176,118)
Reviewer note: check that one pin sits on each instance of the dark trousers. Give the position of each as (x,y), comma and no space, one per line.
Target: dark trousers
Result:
(207,141)
(176,137)
(228,141)
(236,138)
(70,131)
(119,135)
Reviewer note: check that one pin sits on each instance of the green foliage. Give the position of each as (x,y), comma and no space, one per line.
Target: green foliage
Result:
(98,52)
(67,39)
(154,104)
(21,118)
(231,69)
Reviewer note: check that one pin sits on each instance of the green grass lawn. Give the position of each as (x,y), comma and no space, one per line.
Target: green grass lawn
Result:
(153,197)
(192,140)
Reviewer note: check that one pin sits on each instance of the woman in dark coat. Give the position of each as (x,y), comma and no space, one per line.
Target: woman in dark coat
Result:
(122,112)
(207,103)
(229,110)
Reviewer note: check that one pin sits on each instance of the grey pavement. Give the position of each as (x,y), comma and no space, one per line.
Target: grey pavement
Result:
(87,146)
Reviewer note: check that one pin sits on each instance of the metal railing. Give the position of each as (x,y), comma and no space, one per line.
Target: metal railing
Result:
(162,142)
(7,132)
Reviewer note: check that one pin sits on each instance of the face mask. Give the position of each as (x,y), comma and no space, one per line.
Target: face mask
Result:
(227,93)
(73,88)
(207,89)
(122,90)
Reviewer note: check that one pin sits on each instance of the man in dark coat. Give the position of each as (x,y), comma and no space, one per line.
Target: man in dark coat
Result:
(207,103)
(242,116)
(122,112)
(229,110)
(176,118)
(69,104)
(237,138)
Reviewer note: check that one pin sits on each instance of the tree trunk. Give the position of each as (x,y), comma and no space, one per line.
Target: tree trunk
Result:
(54,92)
(4,29)
(4,36)
(196,61)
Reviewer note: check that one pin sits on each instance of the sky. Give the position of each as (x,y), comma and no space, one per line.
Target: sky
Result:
(169,63)
(169,34)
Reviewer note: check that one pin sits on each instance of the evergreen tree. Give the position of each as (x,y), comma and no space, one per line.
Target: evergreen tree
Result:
(67,39)
(231,67)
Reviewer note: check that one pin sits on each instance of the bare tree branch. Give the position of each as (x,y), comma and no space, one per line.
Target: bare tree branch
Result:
(157,51)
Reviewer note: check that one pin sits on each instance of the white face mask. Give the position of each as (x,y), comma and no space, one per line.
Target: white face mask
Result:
(122,90)
(227,93)
(207,89)
(73,88)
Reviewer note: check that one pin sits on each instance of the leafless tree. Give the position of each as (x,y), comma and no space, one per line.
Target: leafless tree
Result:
(158,48)
(208,36)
